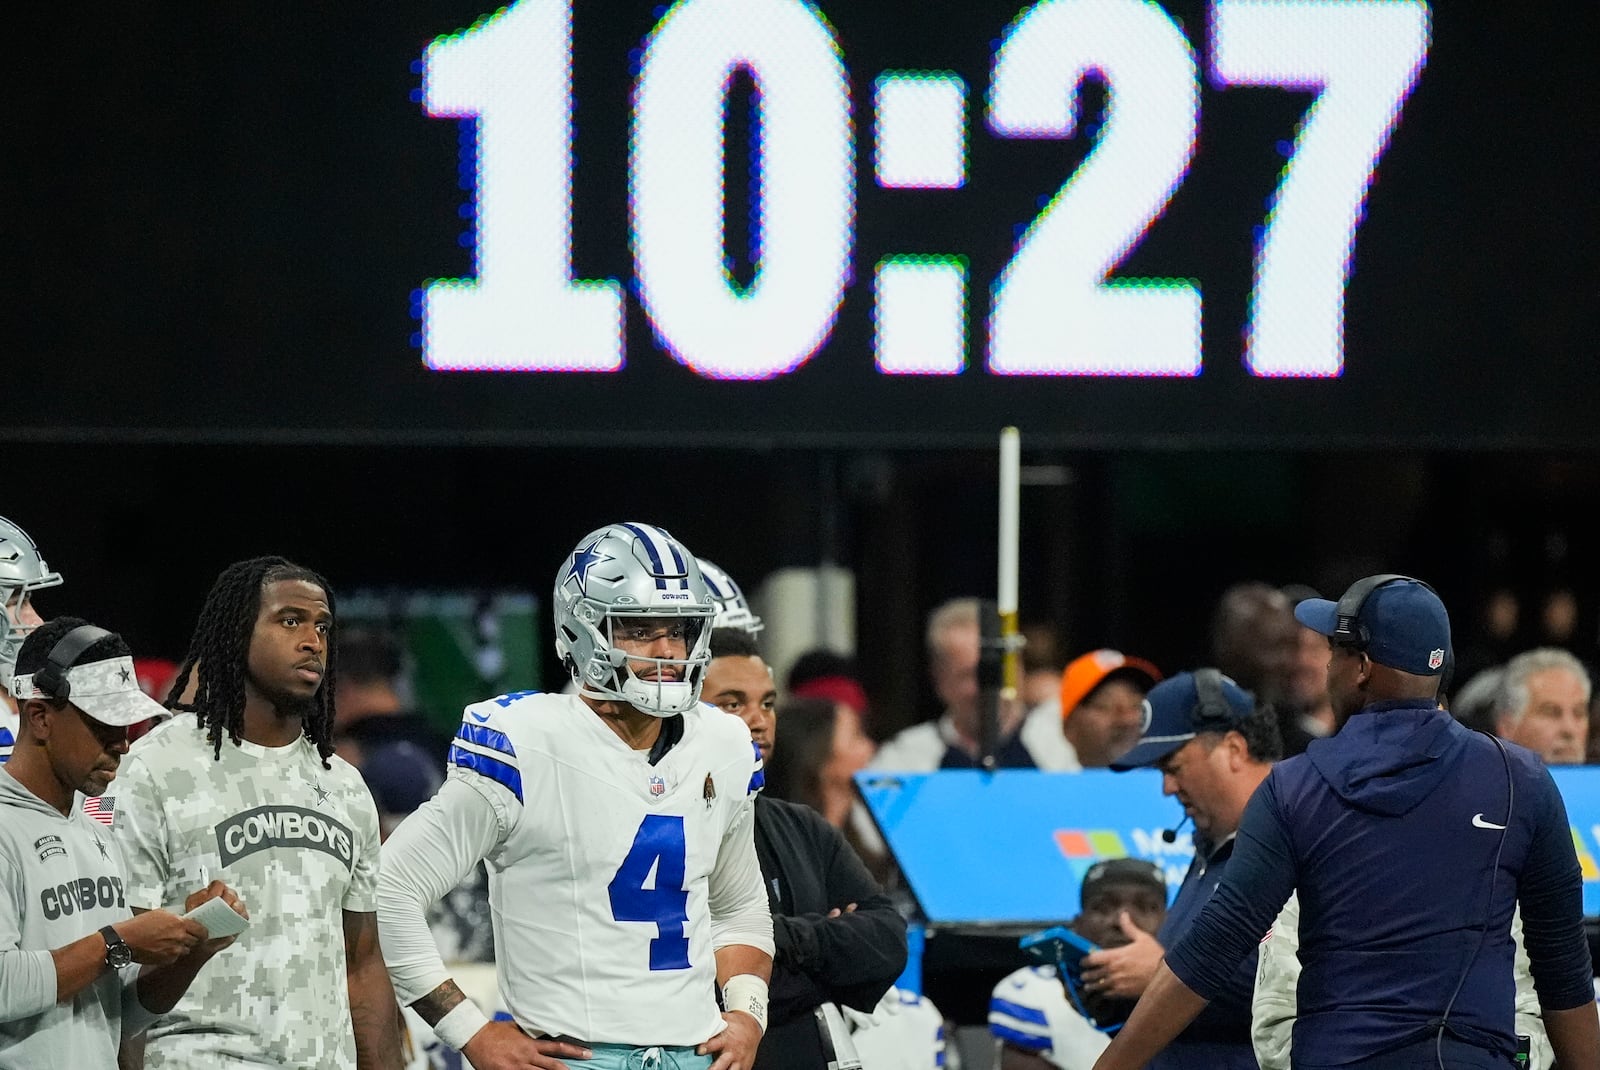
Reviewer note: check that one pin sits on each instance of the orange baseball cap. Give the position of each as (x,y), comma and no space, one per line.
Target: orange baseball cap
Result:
(1088,672)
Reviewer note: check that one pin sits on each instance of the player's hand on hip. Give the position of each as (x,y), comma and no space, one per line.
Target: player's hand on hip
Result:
(216,890)
(160,937)
(1123,971)
(504,1046)
(734,1047)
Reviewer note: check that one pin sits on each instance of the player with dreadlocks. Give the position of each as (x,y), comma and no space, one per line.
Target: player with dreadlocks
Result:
(220,650)
(250,791)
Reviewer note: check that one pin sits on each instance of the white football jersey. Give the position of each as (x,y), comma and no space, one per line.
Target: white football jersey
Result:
(1030,1010)
(609,878)
(905,1031)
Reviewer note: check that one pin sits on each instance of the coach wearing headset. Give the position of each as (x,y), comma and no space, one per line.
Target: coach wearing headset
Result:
(70,988)
(1410,839)
(1214,746)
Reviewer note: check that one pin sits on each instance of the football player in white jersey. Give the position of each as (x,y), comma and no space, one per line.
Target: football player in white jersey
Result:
(617,825)
(1042,1020)
(22,571)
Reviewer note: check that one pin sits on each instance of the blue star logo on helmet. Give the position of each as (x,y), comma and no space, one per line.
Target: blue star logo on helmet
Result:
(585,558)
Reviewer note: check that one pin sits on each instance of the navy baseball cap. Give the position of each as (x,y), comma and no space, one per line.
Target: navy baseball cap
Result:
(1401,624)
(1174,714)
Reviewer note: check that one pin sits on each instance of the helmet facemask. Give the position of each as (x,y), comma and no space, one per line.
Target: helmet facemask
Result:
(22,571)
(662,687)
(638,575)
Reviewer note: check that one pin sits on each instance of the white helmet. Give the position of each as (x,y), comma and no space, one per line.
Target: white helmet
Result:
(632,570)
(733,611)
(22,571)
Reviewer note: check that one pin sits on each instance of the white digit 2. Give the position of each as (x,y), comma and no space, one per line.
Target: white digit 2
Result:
(1364,57)
(1055,313)
(524,311)
(806,177)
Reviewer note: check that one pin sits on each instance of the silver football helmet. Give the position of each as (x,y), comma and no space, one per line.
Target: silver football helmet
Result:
(619,575)
(22,571)
(733,610)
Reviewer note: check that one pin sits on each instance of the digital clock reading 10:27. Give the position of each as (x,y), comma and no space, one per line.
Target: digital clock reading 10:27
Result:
(1058,307)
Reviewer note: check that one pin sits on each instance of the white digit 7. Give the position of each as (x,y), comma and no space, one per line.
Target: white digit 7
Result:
(523,311)
(1365,58)
(1054,311)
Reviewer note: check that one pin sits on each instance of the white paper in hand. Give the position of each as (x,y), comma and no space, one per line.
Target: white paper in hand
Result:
(219,918)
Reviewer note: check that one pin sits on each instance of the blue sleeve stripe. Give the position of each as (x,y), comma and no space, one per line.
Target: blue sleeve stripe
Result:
(758,779)
(505,775)
(1018,1011)
(1026,1041)
(484,736)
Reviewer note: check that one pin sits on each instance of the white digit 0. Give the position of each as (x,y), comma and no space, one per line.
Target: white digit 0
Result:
(805,162)
(1055,313)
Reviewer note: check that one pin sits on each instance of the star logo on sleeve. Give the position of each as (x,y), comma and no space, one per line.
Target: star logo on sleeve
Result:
(585,558)
(322,792)
(122,675)
(98,842)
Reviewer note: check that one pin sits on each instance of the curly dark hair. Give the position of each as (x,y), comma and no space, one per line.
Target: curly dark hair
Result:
(221,648)
(1260,731)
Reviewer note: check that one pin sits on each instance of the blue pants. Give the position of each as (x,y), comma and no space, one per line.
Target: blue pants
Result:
(628,1057)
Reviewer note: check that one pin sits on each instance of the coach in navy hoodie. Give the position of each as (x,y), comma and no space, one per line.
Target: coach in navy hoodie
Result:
(1410,838)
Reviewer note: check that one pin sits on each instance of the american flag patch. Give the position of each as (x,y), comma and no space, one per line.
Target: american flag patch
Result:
(100,808)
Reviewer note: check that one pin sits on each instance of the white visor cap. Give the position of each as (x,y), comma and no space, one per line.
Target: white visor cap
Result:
(106,690)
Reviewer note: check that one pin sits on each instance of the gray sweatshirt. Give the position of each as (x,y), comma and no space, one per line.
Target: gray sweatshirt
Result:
(63,879)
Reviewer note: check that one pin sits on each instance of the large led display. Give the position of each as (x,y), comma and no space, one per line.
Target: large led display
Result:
(1111,222)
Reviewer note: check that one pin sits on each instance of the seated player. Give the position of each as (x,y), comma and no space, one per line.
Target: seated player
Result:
(1040,1019)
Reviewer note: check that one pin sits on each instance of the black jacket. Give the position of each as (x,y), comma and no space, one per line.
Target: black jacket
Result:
(851,960)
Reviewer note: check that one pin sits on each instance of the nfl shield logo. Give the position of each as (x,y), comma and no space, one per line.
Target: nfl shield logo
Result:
(1435,658)
(658,787)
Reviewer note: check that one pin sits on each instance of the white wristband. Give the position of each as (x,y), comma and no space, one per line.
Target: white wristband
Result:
(748,993)
(460,1025)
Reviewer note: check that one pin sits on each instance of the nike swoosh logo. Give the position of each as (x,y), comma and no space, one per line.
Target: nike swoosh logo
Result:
(1479,822)
(483,718)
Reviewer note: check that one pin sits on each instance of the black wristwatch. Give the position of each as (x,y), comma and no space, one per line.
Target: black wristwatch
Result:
(118,953)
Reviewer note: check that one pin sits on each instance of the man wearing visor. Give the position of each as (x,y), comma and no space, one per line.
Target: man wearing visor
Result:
(77,970)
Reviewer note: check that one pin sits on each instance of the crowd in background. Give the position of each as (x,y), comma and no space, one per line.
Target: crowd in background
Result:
(1074,710)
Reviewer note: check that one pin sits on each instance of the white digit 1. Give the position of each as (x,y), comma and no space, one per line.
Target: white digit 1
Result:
(1364,58)
(524,311)
(1055,313)
(805,173)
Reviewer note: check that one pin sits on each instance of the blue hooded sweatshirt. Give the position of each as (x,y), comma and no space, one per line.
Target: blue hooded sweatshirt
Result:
(1390,830)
